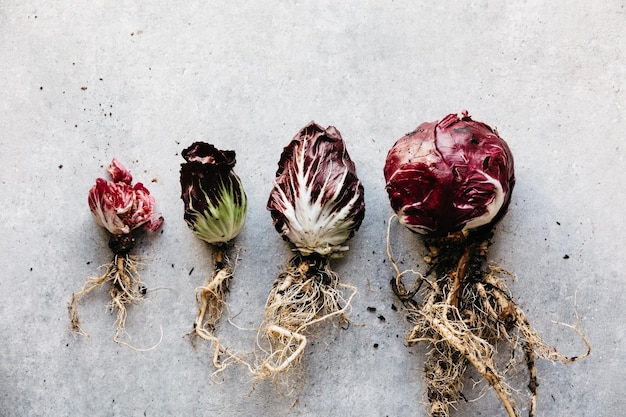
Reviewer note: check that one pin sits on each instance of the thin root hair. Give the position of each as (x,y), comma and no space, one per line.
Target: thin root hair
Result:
(306,292)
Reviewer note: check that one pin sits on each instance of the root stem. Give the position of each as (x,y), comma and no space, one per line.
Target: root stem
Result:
(458,277)
(126,288)
(307,292)
(211,300)
(463,313)
(300,340)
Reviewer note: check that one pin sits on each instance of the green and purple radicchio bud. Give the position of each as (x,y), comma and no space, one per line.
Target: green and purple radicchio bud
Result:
(317,199)
(450,176)
(215,202)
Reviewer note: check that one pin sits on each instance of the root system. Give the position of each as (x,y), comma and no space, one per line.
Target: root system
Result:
(305,293)
(211,300)
(126,288)
(465,313)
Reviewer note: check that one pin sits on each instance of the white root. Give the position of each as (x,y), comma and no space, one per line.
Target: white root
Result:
(306,293)
(463,312)
(126,288)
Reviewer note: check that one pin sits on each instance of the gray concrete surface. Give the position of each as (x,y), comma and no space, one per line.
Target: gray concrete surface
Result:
(83,82)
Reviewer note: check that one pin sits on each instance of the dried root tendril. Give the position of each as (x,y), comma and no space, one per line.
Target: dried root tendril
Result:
(126,288)
(211,300)
(463,312)
(305,293)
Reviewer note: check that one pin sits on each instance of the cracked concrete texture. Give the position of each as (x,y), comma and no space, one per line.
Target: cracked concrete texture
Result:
(139,81)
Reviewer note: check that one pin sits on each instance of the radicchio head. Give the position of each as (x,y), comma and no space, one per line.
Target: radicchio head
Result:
(215,202)
(317,199)
(119,206)
(450,176)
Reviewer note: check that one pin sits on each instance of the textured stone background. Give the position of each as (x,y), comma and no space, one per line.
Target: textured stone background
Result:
(83,82)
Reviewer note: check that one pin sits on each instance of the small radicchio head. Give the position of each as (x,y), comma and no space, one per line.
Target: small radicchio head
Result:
(450,176)
(215,202)
(317,199)
(120,207)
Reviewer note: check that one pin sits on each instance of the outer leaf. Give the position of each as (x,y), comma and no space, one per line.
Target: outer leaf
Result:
(317,200)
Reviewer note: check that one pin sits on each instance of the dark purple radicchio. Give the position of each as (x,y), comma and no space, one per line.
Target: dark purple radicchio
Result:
(317,199)
(215,202)
(450,176)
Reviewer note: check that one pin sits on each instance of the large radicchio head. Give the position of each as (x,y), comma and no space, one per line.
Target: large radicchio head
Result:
(215,202)
(120,207)
(317,199)
(450,176)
